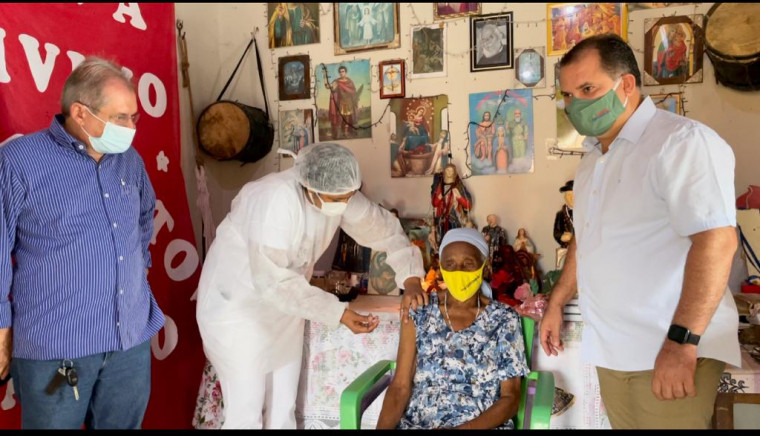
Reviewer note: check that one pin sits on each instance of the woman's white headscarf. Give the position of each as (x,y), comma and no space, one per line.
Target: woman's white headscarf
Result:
(474,238)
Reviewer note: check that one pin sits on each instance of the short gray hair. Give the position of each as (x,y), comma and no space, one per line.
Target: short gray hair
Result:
(85,84)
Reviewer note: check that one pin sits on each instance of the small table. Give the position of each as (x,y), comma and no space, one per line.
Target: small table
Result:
(333,358)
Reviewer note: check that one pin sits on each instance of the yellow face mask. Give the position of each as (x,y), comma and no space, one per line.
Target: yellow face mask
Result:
(463,284)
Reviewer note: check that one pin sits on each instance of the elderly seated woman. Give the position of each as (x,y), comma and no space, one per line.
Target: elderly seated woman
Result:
(460,362)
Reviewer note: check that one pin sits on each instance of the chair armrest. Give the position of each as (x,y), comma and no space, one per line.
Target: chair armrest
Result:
(362,392)
(543,400)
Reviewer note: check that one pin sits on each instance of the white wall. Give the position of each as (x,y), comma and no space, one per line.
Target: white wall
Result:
(217,33)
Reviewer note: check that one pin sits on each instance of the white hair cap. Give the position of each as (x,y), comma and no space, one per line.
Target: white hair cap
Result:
(471,236)
(328,168)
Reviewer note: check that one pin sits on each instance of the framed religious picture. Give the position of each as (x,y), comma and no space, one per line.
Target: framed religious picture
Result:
(491,42)
(343,100)
(529,67)
(293,77)
(420,144)
(670,102)
(429,51)
(501,132)
(293,24)
(296,129)
(673,49)
(365,26)
(643,6)
(392,79)
(568,23)
(443,11)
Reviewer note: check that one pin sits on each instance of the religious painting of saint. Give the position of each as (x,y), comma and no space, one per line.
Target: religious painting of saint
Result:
(673,50)
(343,100)
(501,132)
(293,24)
(296,129)
(568,23)
(428,51)
(365,26)
(420,143)
(392,79)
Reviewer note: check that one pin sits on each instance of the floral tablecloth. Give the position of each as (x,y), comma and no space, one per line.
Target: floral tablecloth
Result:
(332,358)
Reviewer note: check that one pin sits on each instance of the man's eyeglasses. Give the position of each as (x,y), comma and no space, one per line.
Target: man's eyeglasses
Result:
(120,119)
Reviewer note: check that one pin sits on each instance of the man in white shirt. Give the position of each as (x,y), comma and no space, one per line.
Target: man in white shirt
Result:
(654,238)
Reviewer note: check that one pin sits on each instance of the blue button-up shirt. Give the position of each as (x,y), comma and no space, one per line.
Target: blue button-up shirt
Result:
(79,231)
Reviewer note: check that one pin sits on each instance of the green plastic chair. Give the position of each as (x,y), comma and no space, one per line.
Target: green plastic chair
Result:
(536,398)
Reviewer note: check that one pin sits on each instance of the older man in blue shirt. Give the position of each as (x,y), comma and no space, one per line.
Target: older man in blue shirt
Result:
(76,213)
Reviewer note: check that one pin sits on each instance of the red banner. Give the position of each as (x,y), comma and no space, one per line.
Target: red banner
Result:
(40,44)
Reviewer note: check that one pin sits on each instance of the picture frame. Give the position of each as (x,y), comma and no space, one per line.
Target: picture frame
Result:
(428,51)
(672,102)
(293,77)
(287,31)
(568,23)
(343,99)
(491,42)
(365,26)
(530,67)
(444,11)
(392,76)
(673,50)
(296,129)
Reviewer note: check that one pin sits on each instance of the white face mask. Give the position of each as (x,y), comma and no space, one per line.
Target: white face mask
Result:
(331,209)
(115,138)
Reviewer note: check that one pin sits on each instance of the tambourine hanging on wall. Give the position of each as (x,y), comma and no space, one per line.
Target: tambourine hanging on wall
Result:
(230,130)
(732,42)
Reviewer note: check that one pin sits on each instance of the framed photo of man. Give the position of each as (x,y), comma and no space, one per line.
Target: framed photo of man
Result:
(673,50)
(491,42)
(365,26)
(293,77)
(392,79)
(443,11)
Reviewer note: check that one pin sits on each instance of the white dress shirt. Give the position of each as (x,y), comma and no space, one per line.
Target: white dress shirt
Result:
(665,177)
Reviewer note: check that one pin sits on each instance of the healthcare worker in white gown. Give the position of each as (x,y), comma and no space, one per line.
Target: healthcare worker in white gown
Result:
(254,293)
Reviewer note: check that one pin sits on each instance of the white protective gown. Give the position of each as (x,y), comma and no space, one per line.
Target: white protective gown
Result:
(254,291)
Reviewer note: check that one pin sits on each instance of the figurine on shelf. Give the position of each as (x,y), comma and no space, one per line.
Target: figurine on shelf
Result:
(451,201)
(495,235)
(563,224)
(522,242)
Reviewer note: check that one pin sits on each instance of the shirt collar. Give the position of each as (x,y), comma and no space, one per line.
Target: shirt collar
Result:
(633,128)
(64,138)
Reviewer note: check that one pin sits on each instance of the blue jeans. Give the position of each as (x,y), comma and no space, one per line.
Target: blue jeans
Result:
(113,391)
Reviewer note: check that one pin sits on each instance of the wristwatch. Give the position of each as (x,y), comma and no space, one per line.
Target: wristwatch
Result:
(682,335)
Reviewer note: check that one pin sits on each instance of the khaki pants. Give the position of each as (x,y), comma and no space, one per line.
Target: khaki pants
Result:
(631,404)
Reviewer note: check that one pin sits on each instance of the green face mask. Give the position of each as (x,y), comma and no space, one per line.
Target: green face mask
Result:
(594,117)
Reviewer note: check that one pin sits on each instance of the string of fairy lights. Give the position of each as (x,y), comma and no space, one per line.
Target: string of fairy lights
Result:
(414,22)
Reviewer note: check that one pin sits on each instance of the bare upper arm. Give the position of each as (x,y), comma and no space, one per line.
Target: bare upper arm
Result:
(406,360)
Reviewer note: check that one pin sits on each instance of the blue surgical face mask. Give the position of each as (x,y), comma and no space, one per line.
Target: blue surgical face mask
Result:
(115,139)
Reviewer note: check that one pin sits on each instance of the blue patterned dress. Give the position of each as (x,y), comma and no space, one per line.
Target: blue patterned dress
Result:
(459,374)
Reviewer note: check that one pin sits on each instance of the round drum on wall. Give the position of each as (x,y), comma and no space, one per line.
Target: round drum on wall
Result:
(230,130)
(732,42)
